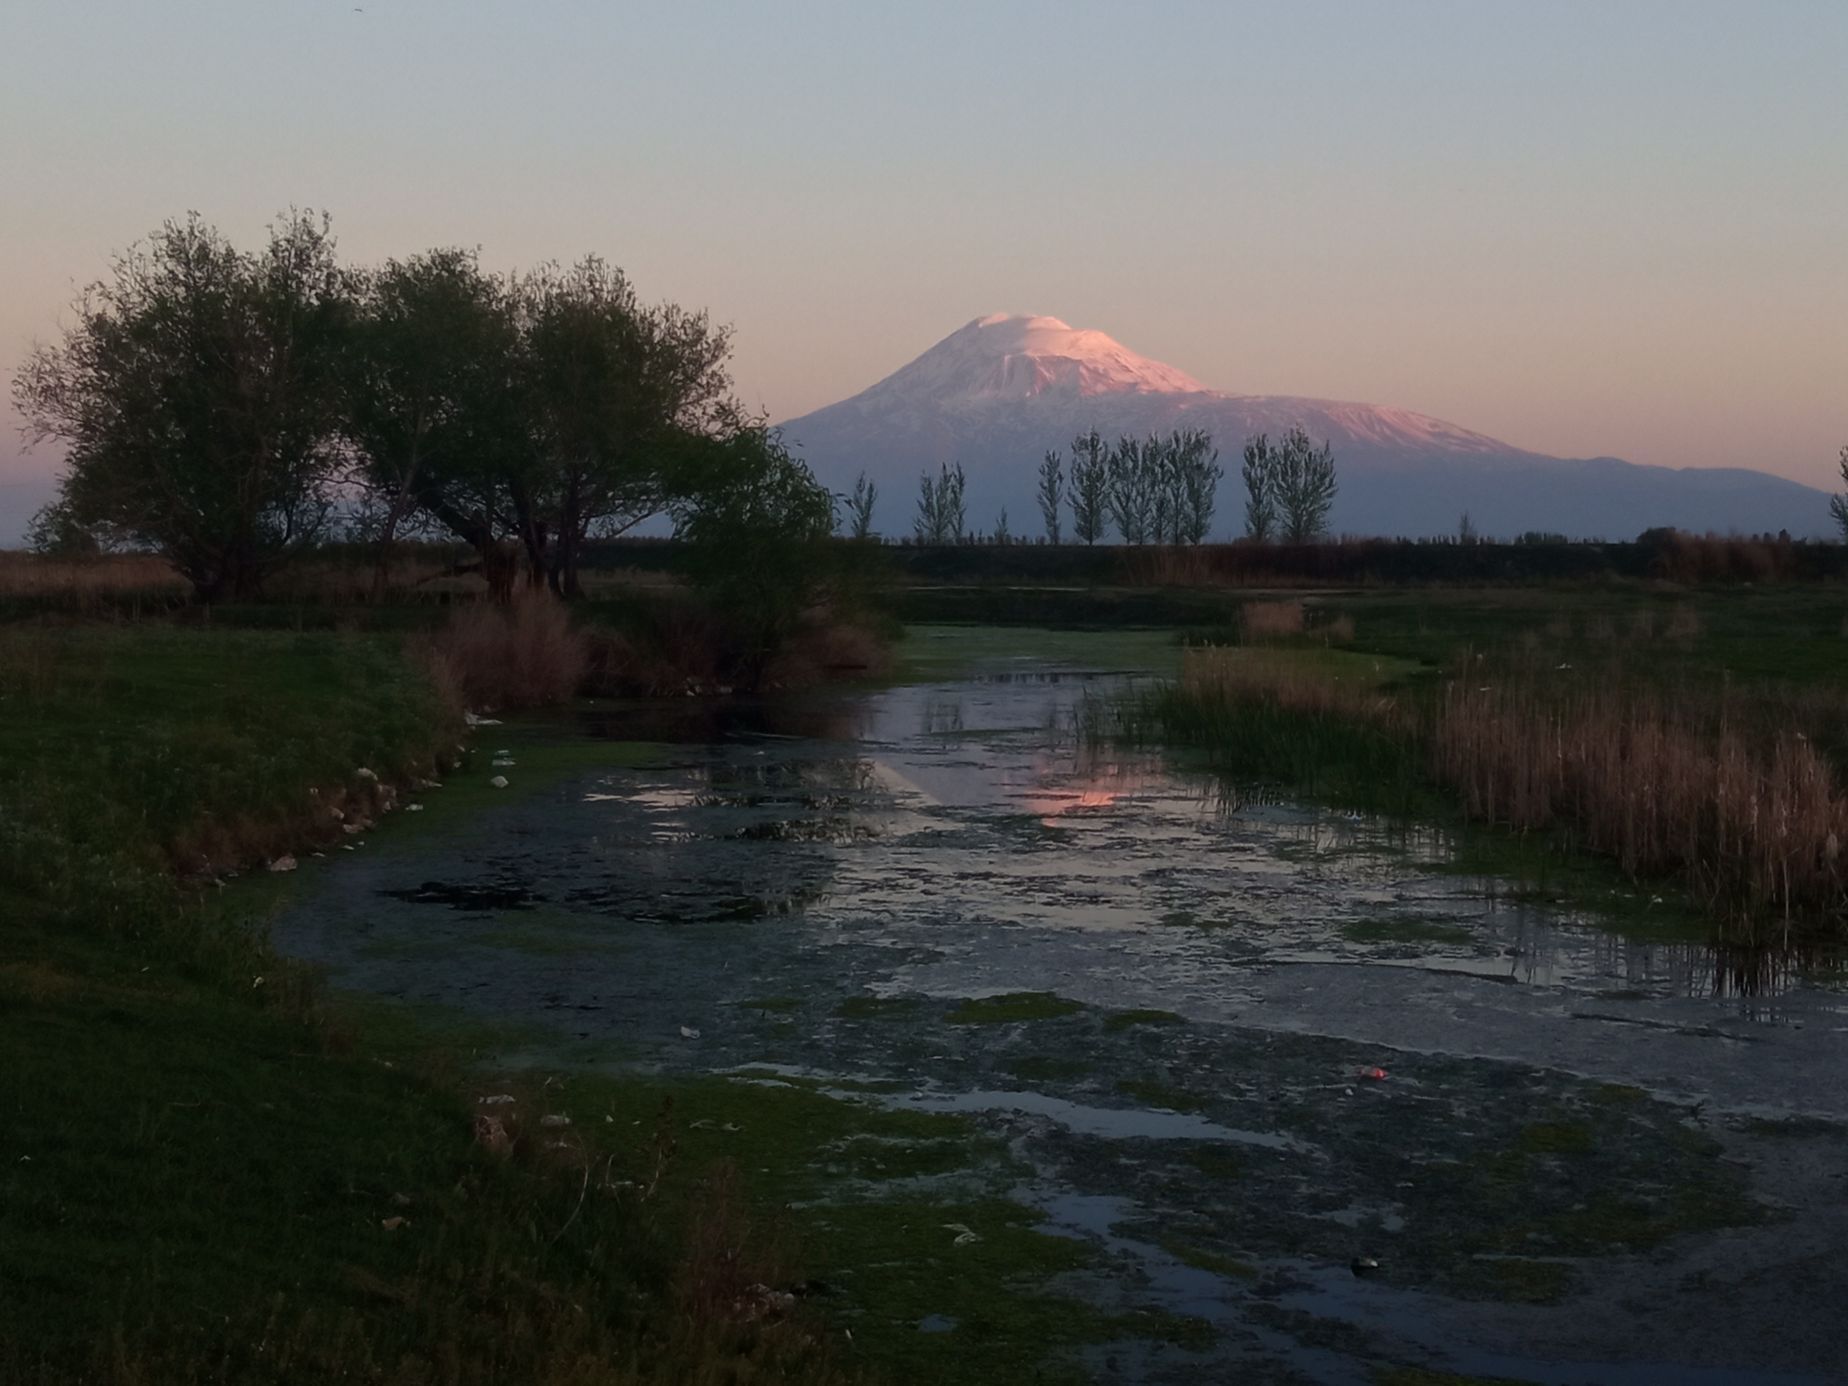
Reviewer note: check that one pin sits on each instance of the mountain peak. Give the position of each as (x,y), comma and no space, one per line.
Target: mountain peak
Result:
(1002,390)
(1015,356)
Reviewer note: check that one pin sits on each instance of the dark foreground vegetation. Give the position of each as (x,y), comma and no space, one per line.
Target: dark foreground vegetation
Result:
(213,1173)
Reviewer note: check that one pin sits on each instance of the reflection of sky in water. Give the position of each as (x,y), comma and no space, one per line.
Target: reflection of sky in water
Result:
(988,808)
(960,839)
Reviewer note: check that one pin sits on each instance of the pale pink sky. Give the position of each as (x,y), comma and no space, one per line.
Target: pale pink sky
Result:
(1582,228)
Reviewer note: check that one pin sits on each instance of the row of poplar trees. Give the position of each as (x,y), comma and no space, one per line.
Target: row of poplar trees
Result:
(1162,490)
(1154,490)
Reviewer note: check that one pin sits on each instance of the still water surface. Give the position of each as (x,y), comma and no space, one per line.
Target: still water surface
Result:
(942,842)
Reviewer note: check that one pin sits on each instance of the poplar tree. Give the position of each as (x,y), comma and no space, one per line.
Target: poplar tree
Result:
(1051,488)
(1090,486)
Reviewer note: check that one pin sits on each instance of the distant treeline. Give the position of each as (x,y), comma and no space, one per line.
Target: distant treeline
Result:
(1668,555)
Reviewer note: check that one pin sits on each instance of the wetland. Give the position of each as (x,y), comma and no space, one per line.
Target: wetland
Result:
(1076,1061)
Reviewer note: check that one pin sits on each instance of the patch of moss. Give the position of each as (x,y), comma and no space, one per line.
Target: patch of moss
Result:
(880,1157)
(1521,1280)
(877,1007)
(1217,1161)
(1230,1267)
(1555,1138)
(1013,1006)
(1161,1095)
(1405,930)
(897,1261)
(1123,1020)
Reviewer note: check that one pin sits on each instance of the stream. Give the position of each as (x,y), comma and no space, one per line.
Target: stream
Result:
(1289,1075)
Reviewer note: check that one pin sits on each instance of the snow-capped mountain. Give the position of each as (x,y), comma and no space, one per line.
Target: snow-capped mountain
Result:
(999,392)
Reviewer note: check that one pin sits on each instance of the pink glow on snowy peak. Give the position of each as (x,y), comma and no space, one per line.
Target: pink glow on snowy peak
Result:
(1006,356)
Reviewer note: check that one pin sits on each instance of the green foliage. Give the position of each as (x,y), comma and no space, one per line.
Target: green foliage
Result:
(55,531)
(427,394)
(860,508)
(758,528)
(1303,477)
(942,512)
(1051,491)
(1162,490)
(1089,491)
(210,401)
(1013,1006)
(1259,476)
(1133,490)
(197,394)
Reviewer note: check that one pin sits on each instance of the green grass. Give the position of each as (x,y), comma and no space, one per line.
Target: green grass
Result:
(1405,930)
(199,1160)
(1012,1007)
(1124,1020)
(203,1155)
(1162,1096)
(1213,1262)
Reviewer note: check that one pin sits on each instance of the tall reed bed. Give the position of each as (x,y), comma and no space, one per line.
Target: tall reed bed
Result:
(1750,820)
(1724,796)
(92,584)
(524,654)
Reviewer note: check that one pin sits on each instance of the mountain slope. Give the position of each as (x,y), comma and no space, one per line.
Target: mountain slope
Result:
(1000,391)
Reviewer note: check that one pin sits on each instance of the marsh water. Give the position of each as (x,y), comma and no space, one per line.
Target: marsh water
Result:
(1291,1075)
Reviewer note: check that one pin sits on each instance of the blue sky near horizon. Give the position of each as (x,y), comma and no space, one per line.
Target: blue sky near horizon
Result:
(1584,228)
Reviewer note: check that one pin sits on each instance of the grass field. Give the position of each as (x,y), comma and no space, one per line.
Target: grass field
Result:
(211,1169)
(202,1166)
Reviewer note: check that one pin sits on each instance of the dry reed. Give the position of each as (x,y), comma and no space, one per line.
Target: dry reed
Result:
(526,654)
(1278,620)
(1754,827)
(1745,812)
(84,582)
(1282,678)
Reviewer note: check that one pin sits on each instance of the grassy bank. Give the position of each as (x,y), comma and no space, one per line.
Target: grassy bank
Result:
(205,1174)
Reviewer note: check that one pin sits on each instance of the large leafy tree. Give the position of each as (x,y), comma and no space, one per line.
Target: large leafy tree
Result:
(608,387)
(430,405)
(196,395)
(757,526)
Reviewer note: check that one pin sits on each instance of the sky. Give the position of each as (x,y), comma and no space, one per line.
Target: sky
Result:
(1585,228)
